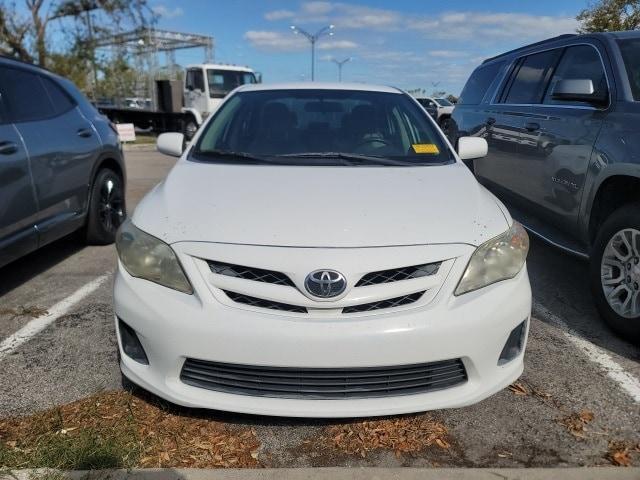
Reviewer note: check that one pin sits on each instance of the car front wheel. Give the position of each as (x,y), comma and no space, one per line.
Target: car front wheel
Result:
(615,271)
(106,207)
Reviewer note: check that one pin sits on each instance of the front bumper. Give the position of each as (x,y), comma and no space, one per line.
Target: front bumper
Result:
(173,326)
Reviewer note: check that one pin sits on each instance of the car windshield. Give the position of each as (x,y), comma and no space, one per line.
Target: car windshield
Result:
(630,50)
(443,102)
(322,127)
(223,81)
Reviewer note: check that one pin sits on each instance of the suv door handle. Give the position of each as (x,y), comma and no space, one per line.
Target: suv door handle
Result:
(532,126)
(84,132)
(490,121)
(7,148)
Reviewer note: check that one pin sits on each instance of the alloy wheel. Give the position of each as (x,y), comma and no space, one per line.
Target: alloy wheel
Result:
(620,273)
(111,205)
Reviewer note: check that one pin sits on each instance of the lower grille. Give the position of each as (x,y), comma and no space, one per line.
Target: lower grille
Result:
(389,303)
(323,383)
(262,303)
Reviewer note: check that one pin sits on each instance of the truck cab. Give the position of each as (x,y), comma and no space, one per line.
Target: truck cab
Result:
(205,85)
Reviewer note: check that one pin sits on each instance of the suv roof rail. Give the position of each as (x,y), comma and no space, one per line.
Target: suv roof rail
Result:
(525,47)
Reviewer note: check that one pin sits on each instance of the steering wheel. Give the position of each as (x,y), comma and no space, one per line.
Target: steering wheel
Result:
(369,140)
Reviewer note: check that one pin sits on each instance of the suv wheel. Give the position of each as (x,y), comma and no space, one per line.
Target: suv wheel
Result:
(445,125)
(106,207)
(615,271)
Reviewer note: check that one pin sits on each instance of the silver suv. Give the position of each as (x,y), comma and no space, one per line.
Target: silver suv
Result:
(562,118)
(61,166)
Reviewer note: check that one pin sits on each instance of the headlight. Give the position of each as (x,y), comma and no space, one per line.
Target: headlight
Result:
(145,256)
(498,259)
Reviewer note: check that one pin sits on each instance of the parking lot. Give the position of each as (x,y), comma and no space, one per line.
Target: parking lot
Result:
(578,402)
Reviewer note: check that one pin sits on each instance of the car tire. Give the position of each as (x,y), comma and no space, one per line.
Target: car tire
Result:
(615,271)
(445,125)
(190,128)
(107,208)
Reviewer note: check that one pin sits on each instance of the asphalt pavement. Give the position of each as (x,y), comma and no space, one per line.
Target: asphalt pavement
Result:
(573,365)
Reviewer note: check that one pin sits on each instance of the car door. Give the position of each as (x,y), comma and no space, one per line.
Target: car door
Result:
(18,204)
(567,132)
(195,93)
(62,146)
(512,136)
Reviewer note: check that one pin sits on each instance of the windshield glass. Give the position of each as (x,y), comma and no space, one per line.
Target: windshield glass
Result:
(630,50)
(222,82)
(320,127)
(443,102)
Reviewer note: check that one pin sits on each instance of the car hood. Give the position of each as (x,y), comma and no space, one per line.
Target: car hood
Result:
(321,206)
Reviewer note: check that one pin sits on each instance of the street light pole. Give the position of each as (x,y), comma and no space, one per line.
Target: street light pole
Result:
(340,64)
(313,38)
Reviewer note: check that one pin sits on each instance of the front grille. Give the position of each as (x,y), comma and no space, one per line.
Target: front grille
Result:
(250,273)
(398,274)
(389,303)
(323,383)
(262,303)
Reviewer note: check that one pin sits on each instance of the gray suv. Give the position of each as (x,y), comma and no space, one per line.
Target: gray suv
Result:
(562,119)
(61,166)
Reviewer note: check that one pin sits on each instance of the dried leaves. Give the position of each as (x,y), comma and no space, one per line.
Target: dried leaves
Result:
(576,423)
(401,435)
(160,437)
(620,453)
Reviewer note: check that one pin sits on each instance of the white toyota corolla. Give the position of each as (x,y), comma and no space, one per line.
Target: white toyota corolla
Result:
(320,250)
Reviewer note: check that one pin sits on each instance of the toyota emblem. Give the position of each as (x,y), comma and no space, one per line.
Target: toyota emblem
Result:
(325,283)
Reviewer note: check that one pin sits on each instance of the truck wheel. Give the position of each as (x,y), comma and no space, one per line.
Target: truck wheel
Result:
(106,208)
(615,271)
(190,128)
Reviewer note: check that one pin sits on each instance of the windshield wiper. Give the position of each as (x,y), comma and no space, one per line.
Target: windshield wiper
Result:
(353,157)
(228,154)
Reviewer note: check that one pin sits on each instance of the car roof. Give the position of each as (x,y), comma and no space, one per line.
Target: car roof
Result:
(565,38)
(221,66)
(361,87)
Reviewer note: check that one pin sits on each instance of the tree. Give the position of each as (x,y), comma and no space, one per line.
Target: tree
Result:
(25,33)
(610,16)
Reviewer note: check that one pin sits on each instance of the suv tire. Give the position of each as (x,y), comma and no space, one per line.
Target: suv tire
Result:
(106,208)
(190,128)
(615,271)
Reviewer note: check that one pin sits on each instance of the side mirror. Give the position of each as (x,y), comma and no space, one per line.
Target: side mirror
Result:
(470,148)
(170,144)
(577,90)
(258,77)
(189,87)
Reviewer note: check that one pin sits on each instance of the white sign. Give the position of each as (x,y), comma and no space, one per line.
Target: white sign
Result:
(126,132)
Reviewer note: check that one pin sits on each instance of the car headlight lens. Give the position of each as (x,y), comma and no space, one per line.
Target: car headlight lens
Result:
(148,257)
(498,259)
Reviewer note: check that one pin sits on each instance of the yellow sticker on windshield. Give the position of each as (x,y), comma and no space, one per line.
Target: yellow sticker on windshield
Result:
(425,148)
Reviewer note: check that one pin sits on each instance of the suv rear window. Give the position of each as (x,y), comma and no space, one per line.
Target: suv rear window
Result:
(630,50)
(531,77)
(478,83)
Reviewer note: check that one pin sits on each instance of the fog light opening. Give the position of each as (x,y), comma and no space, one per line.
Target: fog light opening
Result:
(514,344)
(131,345)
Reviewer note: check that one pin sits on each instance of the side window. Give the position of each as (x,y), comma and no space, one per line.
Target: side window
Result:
(61,101)
(195,79)
(531,77)
(24,95)
(478,84)
(579,62)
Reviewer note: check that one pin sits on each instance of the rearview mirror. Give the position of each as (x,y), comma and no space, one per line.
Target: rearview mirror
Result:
(470,148)
(577,90)
(170,144)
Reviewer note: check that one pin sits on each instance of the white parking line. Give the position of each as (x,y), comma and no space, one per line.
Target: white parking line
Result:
(36,325)
(613,369)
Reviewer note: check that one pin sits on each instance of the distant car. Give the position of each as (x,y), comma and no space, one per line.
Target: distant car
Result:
(562,119)
(320,250)
(61,166)
(439,108)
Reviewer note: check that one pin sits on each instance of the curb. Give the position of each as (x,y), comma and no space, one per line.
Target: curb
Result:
(597,473)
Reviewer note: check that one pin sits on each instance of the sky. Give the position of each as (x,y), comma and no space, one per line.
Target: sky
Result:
(426,44)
